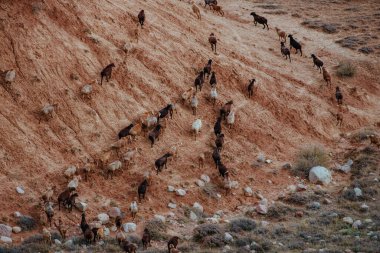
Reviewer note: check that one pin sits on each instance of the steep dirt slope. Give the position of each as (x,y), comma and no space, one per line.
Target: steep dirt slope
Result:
(58,46)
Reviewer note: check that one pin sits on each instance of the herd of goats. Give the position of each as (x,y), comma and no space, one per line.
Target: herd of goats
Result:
(153,123)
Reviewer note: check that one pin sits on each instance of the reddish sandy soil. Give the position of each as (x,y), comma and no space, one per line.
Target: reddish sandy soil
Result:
(49,42)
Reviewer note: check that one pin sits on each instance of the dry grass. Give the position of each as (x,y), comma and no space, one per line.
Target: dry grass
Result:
(308,158)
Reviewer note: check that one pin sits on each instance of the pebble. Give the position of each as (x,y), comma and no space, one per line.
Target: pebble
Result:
(228,237)
(315,205)
(172,205)
(16,229)
(200,183)
(160,217)
(348,220)
(20,190)
(103,218)
(364,207)
(248,191)
(129,227)
(57,242)
(198,206)
(180,192)
(17,214)
(358,192)
(357,224)
(205,178)
(5,239)
(193,216)
(171,188)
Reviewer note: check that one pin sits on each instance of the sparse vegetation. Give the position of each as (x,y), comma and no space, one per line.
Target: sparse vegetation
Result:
(210,190)
(157,229)
(345,69)
(205,230)
(242,224)
(308,158)
(27,223)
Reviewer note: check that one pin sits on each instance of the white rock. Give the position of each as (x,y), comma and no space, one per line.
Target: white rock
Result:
(69,243)
(20,190)
(358,192)
(5,239)
(193,216)
(114,212)
(346,168)
(348,220)
(113,228)
(200,183)
(160,217)
(367,221)
(10,76)
(261,158)
(106,231)
(198,206)
(171,188)
(218,195)
(57,242)
(357,224)
(73,183)
(70,171)
(264,223)
(268,161)
(248,191)
(228,237)
(292,188)
(180,192)
(129,227)
(16,229)
(234,184)
(320,174)
(81,206)
(103,218)
(262,209)
(205,178)
(5,231)
(301,187)
(364,207)
(220,213)
(17,214)
(212,220)
(172,205)
(171,214)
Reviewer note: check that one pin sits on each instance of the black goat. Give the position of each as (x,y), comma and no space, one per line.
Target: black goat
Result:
(285,51)
(106,72)
(155,134)
(64,196)
(167,110)
(213,79)
(317,62)
(162,162)
(207,69)
(142,189)
(259,19)
(118,222)
(223,171)
(216,157)
(141,18)
(146,239)
(293,43)
(338,95)
(83,223)
(219,142)
(199,81)
(212,40)
(218,126)
(70,202)
(125,131)
(209,2)
(251,87)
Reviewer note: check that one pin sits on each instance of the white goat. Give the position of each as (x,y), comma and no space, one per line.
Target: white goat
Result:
(194,104)
(128,157)
(112,167)
(74,182)
(231,118)
(196,127)
(70,171)
(213,95)
(133,208)
(86,91)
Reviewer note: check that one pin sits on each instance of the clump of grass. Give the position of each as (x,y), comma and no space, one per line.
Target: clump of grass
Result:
(345,69)
(26,223)
(242,224)
(157,229)
(204,230)
(210,190)
(308,158)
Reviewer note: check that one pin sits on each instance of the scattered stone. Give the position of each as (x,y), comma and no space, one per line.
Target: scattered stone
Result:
(10,76)
(5,239)
(268,161)
(299,214)
(113,228)
(314,205)
(129,227)
(248,191)
(172,205)
(20,190)
(292,188)
(106,231)
(218,195)
(346,168)
(17,214)
(358,192)
(270,182)
(103,218)
(198,206)
(16,229)
(367,221)
(57,242)
(320,174)
(357,224)
(160,218)
(364,207)
(234,184)
(69,244)
(180,192)
(287,166)
(205,178)
(348,220)
(200,183)
(327,201)
(262,207)
(114,212)
(264,223)
(228,237)
(220,213)
(193,216)
(261,158)
(171,188)
(4,230)
(81,206)
(170,215)
(301,187)
(212,220)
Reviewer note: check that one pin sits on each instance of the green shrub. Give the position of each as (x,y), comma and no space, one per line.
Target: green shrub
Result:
(345,69)
(308,158)
(201,231)
(242,224)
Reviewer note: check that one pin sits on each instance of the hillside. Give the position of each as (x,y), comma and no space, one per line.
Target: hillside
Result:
(56,47)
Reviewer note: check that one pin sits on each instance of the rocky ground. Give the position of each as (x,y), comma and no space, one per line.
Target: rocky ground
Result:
(56,47)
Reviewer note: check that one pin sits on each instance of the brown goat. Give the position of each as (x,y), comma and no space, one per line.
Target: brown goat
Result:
(281,34)
(173,241)
(212,40)
(106,72)
(64,196)
(339,119)
(196,11)
(217,8)
(226,109)
(146,239)
(326,76)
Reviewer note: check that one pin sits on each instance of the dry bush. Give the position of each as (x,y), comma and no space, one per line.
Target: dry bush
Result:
(308,158)
(157,229)
(345,69)
(242,224)
(204,230)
